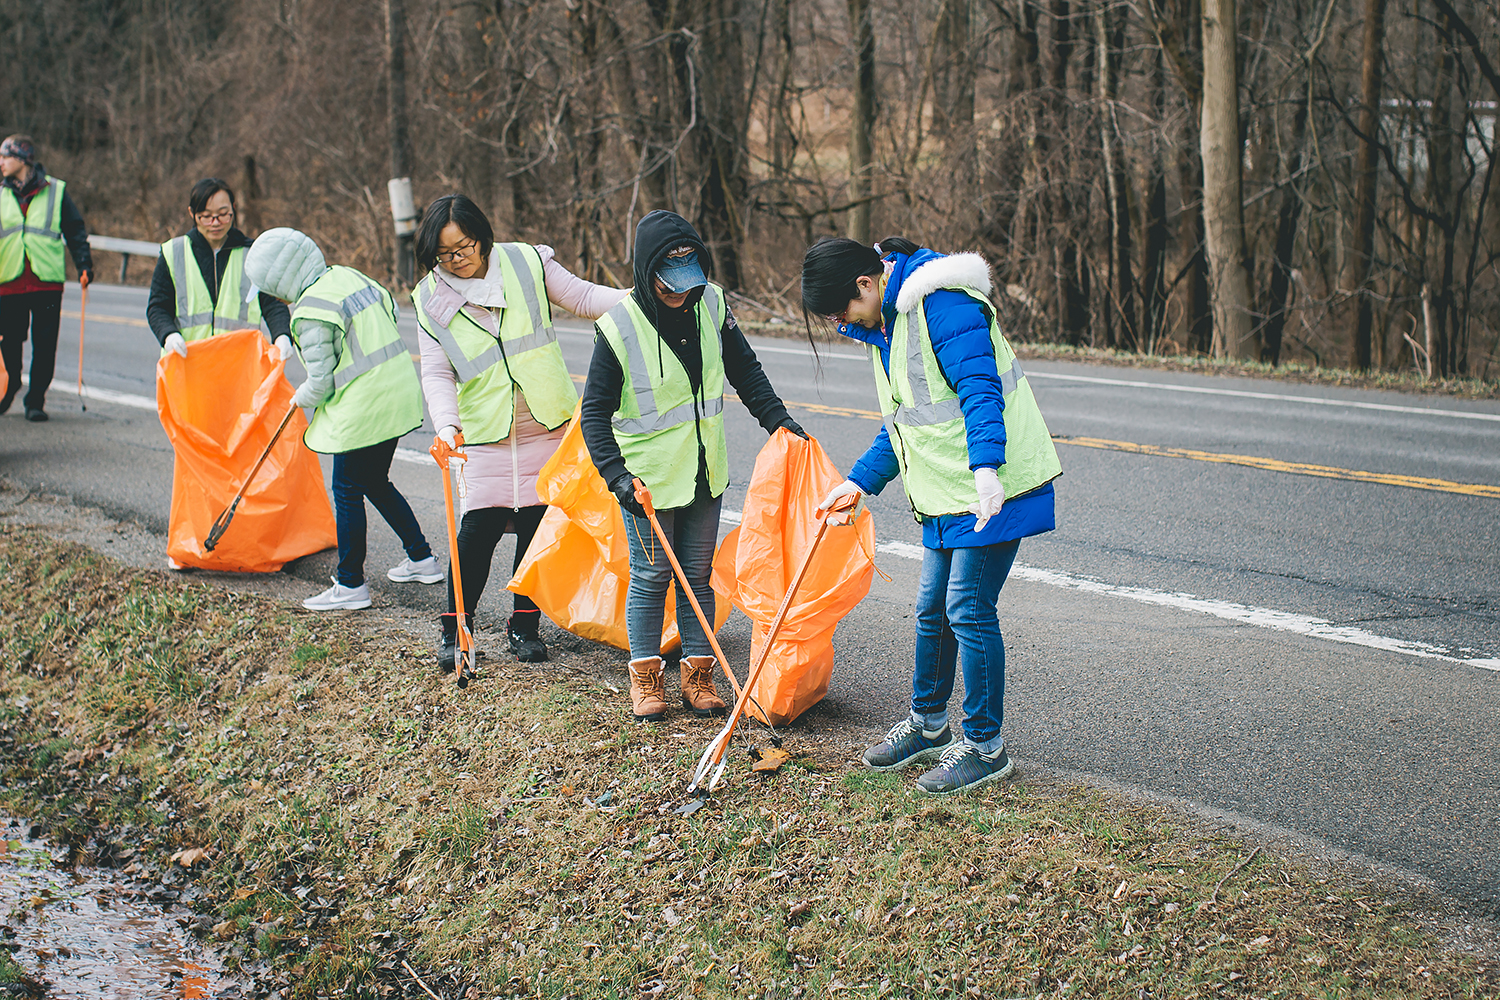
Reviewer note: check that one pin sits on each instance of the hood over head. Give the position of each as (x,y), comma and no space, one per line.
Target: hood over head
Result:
(657,235)
(284,263)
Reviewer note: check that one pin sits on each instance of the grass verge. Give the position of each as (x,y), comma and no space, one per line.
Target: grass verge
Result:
(363,824)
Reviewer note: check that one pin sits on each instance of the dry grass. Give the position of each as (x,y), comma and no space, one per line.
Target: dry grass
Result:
(524,838)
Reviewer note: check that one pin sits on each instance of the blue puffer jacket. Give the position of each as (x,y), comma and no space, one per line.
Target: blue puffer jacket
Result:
(960,333)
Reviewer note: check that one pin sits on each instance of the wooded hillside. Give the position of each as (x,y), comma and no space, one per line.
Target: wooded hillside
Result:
(1267,179)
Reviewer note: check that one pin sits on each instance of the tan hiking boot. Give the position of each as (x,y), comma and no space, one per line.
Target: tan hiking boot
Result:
(648,689)
(698,692)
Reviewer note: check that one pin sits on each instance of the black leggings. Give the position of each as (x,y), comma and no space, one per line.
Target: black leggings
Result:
(42,312)
(477,537)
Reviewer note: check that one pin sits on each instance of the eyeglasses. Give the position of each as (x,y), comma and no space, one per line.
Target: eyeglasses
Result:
(209,218)
(462,250)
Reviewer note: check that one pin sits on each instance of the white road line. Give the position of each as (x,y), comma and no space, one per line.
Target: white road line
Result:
(103,395)
(1282,621)
(1281,397)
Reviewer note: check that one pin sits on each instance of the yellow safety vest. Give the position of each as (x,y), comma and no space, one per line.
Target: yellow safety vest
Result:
(926,424)
(376,394)
(526,352)
(199,315)
(37,234)
(659,421)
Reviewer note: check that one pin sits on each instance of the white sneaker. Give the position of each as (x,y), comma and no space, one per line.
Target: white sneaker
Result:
(426,571)
(340,598)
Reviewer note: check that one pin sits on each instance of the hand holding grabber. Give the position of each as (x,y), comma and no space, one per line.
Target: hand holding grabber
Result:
(843,512)
(83,308)
(468,653)
(221,522)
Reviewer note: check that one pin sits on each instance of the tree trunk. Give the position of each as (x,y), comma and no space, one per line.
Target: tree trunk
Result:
(1286,238)
(862,120)
(1366,164)
(1154,253)
(400,161)
(1223,215)
(1109,38)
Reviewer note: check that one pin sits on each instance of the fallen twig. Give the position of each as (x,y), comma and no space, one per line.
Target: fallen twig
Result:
(413,973)
(1215,897)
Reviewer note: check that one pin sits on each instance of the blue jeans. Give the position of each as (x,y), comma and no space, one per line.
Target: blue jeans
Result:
(361,473)
(693,531)
(956,613)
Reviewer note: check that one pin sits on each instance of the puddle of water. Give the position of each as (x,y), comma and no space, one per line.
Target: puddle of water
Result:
(89,933)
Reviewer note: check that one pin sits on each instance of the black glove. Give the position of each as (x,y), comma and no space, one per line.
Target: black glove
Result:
(86,276)
(624,490)
(794,427)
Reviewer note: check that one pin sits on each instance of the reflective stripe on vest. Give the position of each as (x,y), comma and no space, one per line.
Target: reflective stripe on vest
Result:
(241,313)
(349,307)
(651,418)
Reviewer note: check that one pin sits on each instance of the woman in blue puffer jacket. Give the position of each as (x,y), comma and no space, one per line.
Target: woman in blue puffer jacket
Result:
(963,430)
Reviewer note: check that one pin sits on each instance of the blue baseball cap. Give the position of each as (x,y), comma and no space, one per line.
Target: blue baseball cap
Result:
(680,270)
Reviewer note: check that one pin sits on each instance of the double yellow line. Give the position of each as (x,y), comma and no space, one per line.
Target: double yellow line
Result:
(1295,468)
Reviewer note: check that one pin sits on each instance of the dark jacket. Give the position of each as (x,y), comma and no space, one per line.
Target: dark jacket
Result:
(75,231)
(656,234)
(161,307)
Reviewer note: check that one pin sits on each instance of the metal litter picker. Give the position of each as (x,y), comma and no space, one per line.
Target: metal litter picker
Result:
(843,513)
(468,652)
(216,531)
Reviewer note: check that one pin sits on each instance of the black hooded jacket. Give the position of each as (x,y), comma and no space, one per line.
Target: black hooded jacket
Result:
(161,306)
(656,234)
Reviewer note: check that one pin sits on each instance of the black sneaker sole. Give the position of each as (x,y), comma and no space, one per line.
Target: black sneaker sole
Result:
(920,757)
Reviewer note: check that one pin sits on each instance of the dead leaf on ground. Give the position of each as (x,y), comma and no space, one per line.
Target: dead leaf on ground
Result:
(190,856)
(771,760)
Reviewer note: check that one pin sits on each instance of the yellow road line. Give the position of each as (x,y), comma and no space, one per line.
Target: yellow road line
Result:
(101,318)
(1295,468)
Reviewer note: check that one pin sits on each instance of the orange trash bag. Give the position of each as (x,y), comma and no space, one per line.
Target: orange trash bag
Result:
(219,406)
(577,569)
(756,564)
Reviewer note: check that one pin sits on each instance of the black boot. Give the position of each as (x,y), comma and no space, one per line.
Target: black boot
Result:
(524,641)
(448,653)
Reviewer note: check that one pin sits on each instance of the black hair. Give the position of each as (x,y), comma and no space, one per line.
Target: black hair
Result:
(204,190)
(460,210)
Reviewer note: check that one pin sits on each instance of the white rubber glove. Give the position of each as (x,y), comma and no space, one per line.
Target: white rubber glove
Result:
(991,496)
(174,342)
(284,345)
(449,435)
(844,489)
(306,395)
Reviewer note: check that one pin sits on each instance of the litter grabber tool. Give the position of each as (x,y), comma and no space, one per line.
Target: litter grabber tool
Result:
(221,523)
(83,308)
(468,652)
(714,755)
(643,497)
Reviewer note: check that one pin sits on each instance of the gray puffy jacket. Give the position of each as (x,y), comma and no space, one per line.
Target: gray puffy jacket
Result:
(285,263)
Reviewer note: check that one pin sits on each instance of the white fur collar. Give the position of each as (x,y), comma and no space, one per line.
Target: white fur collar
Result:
(967,269)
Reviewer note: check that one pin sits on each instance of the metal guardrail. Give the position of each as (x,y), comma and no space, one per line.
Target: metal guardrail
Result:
(126,249)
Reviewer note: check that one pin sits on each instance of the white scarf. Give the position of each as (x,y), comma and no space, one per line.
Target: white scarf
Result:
(487,290)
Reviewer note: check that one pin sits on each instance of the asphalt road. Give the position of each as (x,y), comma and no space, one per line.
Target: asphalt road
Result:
(1311,640)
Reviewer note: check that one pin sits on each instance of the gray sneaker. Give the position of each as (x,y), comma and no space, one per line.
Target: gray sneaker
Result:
(963,768)
(906,745)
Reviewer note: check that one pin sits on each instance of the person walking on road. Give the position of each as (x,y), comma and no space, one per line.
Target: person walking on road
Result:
(653,409)
(37,217)
(365,395)
(964,432)
(198,288)
(493,372)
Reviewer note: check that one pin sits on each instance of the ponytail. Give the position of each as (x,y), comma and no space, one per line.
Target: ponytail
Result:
(897,244)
